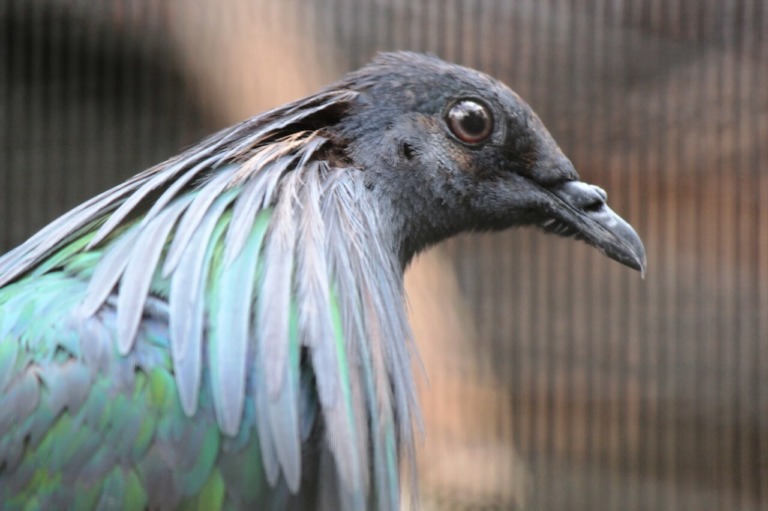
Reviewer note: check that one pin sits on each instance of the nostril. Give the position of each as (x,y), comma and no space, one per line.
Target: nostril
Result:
(594,206)
(593,199)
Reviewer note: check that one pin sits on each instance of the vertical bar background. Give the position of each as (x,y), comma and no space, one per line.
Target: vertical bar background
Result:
(624,394)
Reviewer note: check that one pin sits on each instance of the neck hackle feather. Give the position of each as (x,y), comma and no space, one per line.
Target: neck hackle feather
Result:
(256,270)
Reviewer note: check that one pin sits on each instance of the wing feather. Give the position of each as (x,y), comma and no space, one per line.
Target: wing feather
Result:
(278,398)
(108,271)
(231,328)
(274,301)
(193,215)
(257,194)
(187,303)
(264,432)
(161,176)
(138,274)
(65,228)
(126,196)
(312,285)
(283,414)
(273,255)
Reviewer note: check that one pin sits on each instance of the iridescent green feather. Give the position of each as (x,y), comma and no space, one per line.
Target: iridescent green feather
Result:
(341,352)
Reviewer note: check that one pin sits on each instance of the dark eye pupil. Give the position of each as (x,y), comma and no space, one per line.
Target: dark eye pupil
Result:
(470,121)
(473,122)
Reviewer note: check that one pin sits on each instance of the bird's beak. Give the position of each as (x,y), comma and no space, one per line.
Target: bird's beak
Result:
(582,213)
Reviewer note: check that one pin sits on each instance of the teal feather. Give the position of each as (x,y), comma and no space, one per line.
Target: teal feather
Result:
(230,333)
(193,480)
(63,256)
(243,472)
(86,497)
(112,491)
(382,436)
(9,352)
(344,424)
(135,496)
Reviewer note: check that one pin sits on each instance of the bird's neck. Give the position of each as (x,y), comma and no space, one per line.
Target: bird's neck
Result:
(416,222)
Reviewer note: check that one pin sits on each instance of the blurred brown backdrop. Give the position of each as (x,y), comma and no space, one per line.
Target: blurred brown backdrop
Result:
(556,379)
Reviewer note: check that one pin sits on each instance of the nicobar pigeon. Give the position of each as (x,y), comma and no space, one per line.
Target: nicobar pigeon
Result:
(227,329)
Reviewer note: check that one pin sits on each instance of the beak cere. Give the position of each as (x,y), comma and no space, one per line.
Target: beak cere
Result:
(584,214)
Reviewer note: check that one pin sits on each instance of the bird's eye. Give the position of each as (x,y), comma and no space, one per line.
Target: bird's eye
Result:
(470,120)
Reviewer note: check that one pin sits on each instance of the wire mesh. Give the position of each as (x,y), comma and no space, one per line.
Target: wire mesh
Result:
(577,386)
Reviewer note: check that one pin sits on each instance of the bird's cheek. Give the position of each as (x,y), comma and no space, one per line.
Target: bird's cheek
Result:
(513,198)
(464,161)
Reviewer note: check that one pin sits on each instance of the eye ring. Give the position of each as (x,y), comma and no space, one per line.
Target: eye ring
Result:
(470,120)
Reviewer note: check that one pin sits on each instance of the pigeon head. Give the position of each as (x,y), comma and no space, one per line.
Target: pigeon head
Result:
(448,149)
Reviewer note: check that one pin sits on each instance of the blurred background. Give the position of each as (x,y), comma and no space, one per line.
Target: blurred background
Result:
(555,379)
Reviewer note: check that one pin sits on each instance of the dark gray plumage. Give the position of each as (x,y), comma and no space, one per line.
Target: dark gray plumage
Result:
(244,299)
(518,176)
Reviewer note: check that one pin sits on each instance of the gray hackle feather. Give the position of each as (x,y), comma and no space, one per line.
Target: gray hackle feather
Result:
(108,271)
(273,330)
(275,298)
(205,195)
(312,285)
(231,327)
(187,305)
(137,277)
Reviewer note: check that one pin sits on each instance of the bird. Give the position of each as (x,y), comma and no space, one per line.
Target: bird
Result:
(228,329)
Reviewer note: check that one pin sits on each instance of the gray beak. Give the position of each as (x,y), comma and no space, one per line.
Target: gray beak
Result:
(584,214)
